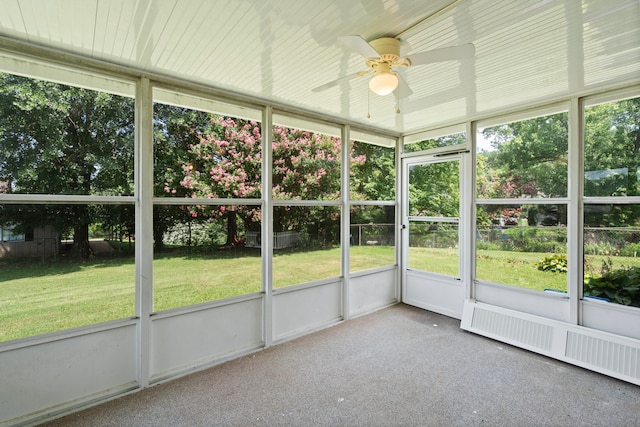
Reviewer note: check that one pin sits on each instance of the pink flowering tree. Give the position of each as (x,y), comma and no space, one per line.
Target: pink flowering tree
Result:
(227,163)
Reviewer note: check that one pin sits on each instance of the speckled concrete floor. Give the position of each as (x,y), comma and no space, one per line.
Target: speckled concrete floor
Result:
(400,366)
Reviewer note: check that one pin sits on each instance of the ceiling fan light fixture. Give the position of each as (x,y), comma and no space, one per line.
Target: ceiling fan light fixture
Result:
(383,83)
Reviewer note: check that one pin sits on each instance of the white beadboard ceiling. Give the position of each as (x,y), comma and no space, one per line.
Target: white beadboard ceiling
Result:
(527,51)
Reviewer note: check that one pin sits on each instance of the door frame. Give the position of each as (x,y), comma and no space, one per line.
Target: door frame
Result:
(432,291)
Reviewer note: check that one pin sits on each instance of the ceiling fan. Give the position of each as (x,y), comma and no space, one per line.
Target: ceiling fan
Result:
(383,54)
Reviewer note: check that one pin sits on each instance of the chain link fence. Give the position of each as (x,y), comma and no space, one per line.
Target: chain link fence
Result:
(372,235)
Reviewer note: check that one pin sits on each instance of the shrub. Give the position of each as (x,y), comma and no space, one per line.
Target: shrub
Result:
(621,286)
(556,263)
(536,239)
(630,249)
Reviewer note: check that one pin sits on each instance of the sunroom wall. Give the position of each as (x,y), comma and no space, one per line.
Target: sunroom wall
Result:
(157,343)
(151,347)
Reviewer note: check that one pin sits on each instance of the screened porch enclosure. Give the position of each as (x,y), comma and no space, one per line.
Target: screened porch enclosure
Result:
(183,186)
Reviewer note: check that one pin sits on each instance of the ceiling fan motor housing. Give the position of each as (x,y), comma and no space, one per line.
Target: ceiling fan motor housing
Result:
(387,47)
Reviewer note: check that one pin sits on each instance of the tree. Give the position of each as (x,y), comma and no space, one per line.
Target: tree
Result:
(176,130)
(372,172)
(434,189)
(58,139)
(224,163)
(529,159)
(227,163)
(612,156)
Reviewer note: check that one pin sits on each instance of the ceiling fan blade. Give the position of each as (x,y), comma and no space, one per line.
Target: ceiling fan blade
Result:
(336,82)
(403,90)
(453,53)
(359,45)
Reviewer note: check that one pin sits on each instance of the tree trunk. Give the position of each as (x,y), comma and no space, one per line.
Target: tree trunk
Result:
(158,235)
(232,228)
(81,240)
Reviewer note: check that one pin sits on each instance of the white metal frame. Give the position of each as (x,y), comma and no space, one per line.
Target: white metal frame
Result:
(504,294)
(124,347)
(432,291)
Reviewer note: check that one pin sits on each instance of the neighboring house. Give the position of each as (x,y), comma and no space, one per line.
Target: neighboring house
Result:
(41,242)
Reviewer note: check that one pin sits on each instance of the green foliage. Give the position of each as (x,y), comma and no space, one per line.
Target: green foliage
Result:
(59,139)
(516,269)
(434,189)
(621,286)
(372,172)
(556,263)
(529,158)
(630,249)
(443,141)
(612,132)
(536,239)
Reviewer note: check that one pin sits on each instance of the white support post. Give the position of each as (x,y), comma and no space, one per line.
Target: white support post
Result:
(468,269)
(401,233)
(345,220)
(144,225)
(267,225)
(574,214)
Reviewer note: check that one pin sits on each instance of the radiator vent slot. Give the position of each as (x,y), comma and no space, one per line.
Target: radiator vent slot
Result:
(614,357)
(515,329)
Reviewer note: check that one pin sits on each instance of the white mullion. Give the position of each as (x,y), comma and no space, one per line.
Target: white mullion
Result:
(52,199)
(345,219)
(468,216)
(281,202)
(402,229)
(180,201)
(144,225)
(612,200)
(575,221)
(372,202)
(267,226)
(524,201)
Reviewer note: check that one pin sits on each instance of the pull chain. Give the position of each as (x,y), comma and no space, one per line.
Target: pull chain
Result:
(368,104)
(397,101)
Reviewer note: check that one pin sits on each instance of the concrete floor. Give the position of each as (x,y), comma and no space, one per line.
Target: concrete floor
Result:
(398,366)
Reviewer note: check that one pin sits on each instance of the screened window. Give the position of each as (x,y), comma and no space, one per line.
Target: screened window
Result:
(306,192)
(306,244)
(523,244)
(60,139)
(77,269)
(612,151)
(523,159)
(207,155)
(372,237)
(195,263)
(434,214)
(306,163)
(611,231)
(65,265)
(204,248)
(428,142)
(372,177)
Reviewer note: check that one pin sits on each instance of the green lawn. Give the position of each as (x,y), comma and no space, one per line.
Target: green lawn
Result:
(512,268)
(517,269)
(37,297)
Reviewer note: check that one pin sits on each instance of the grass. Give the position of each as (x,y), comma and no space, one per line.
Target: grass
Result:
(517,269)
(37,297)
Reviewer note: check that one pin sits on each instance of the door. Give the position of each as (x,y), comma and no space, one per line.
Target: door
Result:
(431,243)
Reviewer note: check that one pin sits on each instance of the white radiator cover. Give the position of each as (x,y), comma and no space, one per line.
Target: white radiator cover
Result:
(603,352)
